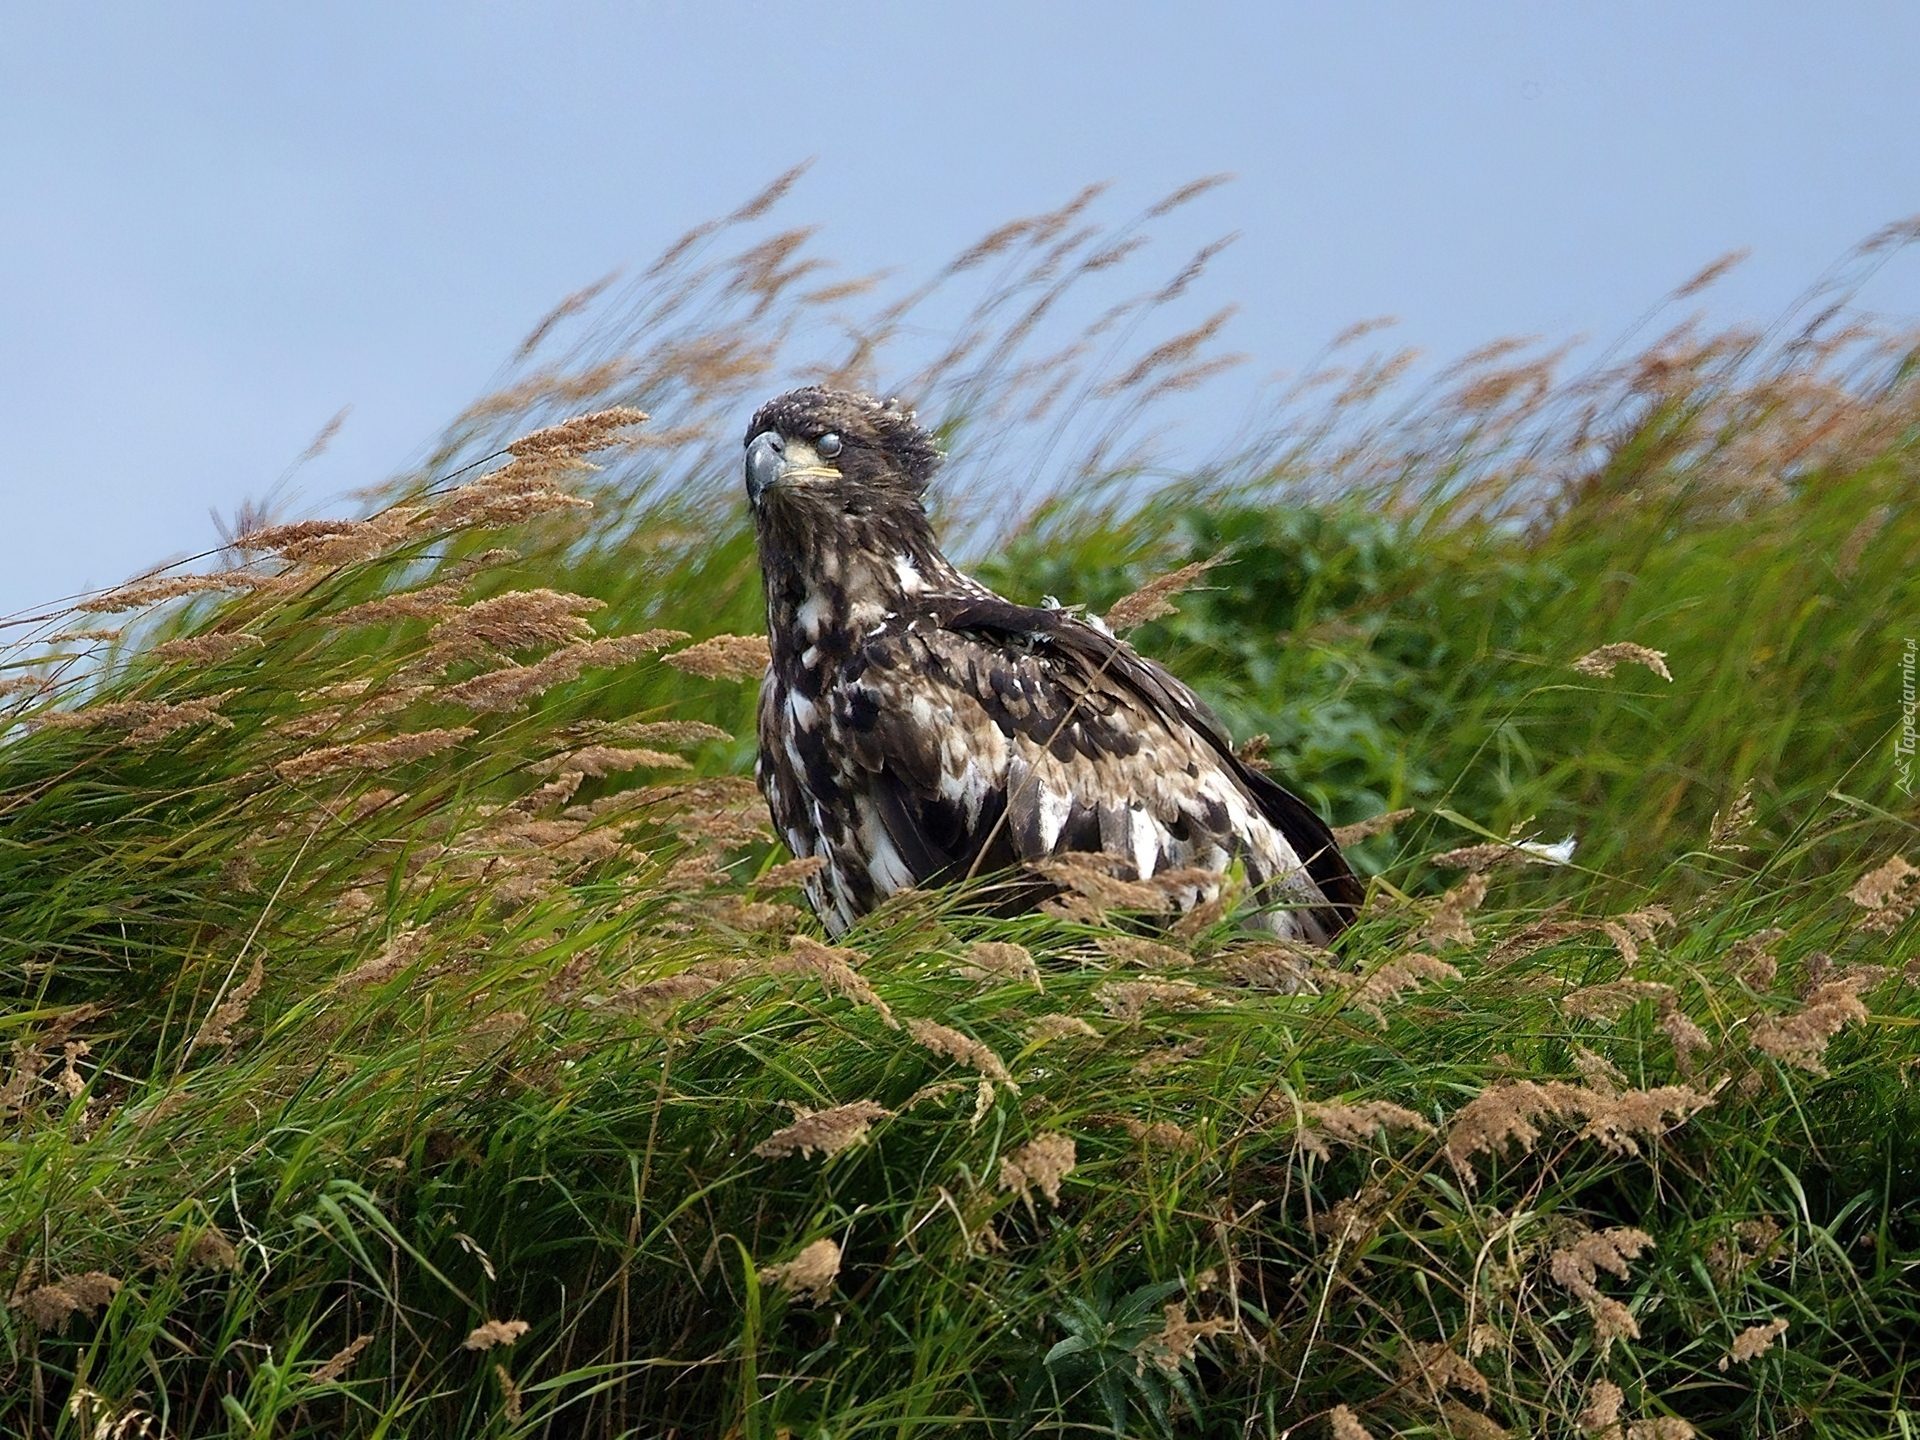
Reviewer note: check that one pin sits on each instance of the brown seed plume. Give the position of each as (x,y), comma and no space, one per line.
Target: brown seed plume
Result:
(580,434)
(1042,1163)
(1151,602)
(371,754)
(828,1131)
(724,657)
(810,1274)
(1602,662)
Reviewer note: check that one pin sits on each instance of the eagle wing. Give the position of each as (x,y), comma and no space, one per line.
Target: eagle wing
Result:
(990,733)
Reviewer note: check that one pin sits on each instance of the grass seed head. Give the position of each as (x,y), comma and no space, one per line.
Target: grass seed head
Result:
(724,657)
(990,961)
(1178,1339)
(1332,1123)
(1151,602)
(955,1046)
(341,1360)
(1041,1163)
(1602,1411)
(1801,1038)
(1447,925)
(494,1332)
(1753,1342)
(370,754)
(810,1274)
(1345,835)
(1888,894)
(828,1131)
(581,434)
(1602,662)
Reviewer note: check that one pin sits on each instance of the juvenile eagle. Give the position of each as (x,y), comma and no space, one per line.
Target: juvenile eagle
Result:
(915,727)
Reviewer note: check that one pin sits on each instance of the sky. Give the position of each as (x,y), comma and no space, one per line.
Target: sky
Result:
(220,224)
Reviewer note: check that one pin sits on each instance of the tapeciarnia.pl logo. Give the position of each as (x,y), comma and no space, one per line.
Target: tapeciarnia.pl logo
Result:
(1903,747)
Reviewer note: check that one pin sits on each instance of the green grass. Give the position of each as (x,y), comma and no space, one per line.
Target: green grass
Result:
(509,1048)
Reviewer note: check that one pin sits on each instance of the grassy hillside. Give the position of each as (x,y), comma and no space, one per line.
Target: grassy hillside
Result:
(413,1030)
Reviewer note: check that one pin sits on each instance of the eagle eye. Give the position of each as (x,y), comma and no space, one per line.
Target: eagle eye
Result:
(828,445)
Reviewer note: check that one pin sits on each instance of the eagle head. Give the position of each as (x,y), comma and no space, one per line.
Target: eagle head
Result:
(821,454)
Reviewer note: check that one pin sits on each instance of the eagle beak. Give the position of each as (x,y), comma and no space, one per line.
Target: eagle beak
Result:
(766,458)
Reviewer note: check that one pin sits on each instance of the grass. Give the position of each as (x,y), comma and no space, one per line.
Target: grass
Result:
(391,1053)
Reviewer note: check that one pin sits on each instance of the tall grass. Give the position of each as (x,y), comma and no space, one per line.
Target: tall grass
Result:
(414,1030)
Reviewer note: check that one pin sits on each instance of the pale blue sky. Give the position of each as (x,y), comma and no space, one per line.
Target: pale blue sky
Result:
(223,222)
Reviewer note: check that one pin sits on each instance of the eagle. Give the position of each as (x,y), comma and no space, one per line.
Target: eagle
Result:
(916,728)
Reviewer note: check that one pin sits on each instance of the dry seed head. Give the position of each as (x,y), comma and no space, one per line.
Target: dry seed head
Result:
(810,1274)
(1604,1399)
(955,1046)
(430,602)
(1608,1002)
(673,733)
(512,687)
(49,1306)
(280,537)
(652,997)
(206,649)
(1043,1162)
(994,960)
(581,433)
(1165,1057)
(212,1250)
(341,1361)
(145,721)
(357,540)
(1352,1124)
(1060,1027)
(1092,890)
(1177,1340)
(398,953)
(217,1029)
(137,593)
(1345,1425)
(1801,1039)
(1131,999)
(1723,836)
(1603,661)
(370,754)
(1150,601)
(495,1332)
(1147,954)
(792,872)
(833,967)
(1888,894)
(1283,967)
(724,657)
(1439,1367)
(1448,923)
(517,620)
(1345,835)
(1395,978)
(1661,1427)
(1159,1135)
(1576,1268)
(828,1131)
(599,760)
(1470,1424)
(1688,1039)
(1753,1342)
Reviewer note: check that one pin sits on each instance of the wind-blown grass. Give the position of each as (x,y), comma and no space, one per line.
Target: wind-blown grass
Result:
(413,1029)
